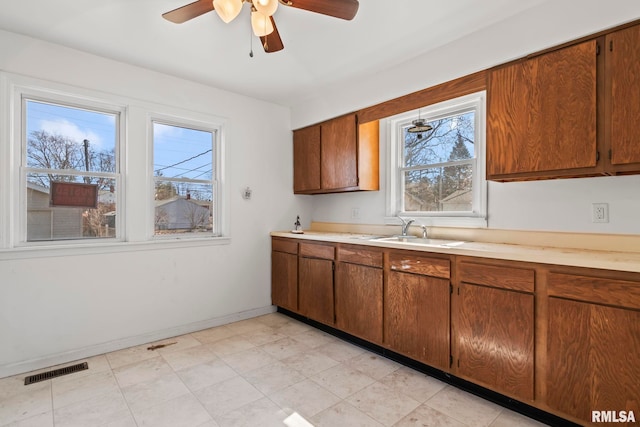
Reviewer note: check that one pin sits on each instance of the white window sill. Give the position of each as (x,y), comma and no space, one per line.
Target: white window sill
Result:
(70,249)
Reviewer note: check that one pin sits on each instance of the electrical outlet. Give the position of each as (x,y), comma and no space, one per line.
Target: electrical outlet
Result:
(355,213)
(599,212)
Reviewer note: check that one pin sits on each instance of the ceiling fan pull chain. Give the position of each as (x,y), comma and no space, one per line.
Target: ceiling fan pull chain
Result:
(250,43)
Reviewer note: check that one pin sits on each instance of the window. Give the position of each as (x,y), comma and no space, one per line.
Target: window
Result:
(69,171)
(185,180)
(438,175)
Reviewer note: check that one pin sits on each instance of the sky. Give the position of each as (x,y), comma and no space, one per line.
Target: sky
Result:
(178,152)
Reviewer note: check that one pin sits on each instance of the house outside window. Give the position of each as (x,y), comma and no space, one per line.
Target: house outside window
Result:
(185,176)
(437,176)
(70,170)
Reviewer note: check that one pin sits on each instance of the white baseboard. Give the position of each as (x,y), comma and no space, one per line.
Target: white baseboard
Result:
(94,350)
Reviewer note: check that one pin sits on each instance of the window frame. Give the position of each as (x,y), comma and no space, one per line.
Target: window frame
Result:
(22,95)
(133,147)
(478,216)
(205,125)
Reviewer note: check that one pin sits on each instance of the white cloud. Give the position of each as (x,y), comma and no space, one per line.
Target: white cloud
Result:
(70,130)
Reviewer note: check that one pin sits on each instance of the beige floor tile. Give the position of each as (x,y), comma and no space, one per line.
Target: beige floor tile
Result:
(306,398)
(273,377)
(126,420)
(509,418)
(373,365)
(97,411)
(71,389)
(183,411)
(310,363)
(314,338)
(340,350)
(141,371)
(31,400)
(224,397)
(425,415)
(274,319)
(383,403)
(153,392)
(130,355)
(263,413)
(284,348)
(174,344)
(206,374)
(343,380)
(413,383)
(245,326)
(229,345)
(207,336)
(248,360)
(464,407)
(11,386)
(189,357)
(293,328)
(343,414)
(263,336)
(40,420)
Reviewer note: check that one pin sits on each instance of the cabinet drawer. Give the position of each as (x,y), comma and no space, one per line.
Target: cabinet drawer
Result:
(517,279)
(284,245)
(358,255)
(427,266)
(621,293)
(314,250)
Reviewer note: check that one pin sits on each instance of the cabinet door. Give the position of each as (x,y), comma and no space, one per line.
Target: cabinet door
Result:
(284,280)
(339,153)
(593,358)
(541,118)
(622,50)
(315,289)
(416,317)
(359,301)
(494,338)
(306,159)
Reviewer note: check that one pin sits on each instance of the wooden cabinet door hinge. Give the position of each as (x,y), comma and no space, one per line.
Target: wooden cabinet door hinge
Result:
(610,45)
(597,49)
(597,156)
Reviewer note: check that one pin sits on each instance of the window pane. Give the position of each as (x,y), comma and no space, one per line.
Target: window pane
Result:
(62,137)
(439,189)
(71,218)
(451,139)
(183,163)
(180,152)
(183,207)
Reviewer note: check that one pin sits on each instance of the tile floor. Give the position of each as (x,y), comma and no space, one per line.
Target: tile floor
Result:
(266,371)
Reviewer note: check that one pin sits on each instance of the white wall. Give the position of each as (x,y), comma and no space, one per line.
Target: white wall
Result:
(557,205)
(57,308)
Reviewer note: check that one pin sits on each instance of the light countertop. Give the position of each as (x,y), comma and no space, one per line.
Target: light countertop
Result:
(610,260)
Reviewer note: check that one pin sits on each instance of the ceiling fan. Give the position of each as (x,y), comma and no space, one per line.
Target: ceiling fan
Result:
(262,14)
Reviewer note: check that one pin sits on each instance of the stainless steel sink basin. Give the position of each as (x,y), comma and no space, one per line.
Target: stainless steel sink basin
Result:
(412,240)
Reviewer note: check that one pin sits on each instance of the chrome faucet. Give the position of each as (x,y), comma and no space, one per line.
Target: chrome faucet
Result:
(406,223)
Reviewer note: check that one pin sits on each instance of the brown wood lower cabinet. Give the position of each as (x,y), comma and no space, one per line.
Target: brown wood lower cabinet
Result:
(494,327)
(593,351)
(417,308)
(284,273)
(315,282)
(359,283)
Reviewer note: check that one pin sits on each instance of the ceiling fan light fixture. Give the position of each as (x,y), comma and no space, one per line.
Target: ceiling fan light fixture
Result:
(261,24)
(227,9)
(266,7)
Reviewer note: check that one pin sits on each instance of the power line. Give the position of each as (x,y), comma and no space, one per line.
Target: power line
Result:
(184,161)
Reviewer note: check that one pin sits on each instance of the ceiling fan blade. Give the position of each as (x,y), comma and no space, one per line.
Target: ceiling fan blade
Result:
(343,9)
(189,11)
(272,42)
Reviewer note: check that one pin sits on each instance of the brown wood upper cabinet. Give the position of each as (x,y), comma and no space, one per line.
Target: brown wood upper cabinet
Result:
(567,113)
(338,155)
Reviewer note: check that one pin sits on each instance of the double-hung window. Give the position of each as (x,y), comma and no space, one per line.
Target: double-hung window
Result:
(437,175)
(185,174)
(70,174)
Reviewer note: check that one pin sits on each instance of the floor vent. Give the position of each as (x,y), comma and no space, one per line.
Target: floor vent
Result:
(56,373)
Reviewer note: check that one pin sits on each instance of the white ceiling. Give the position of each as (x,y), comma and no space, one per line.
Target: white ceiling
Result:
(319,50)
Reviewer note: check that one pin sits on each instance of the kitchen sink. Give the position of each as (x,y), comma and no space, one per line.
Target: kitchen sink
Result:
(412,240)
